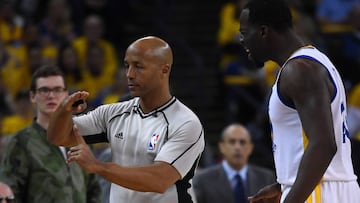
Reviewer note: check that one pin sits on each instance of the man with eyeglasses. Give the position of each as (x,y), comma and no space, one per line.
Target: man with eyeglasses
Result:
(37,170)
(6,194)
(234,179)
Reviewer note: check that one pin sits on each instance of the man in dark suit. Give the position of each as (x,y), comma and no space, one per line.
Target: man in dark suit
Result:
(219,184)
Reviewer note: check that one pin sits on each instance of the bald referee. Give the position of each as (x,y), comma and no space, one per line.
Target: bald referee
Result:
(156,141)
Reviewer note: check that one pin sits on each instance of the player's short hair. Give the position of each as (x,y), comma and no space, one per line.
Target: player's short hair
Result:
(43,72)
(273,13)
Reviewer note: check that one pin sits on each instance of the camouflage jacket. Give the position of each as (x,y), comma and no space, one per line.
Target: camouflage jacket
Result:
(37,171)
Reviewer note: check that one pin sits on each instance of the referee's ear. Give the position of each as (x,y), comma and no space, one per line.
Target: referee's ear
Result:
(166,68)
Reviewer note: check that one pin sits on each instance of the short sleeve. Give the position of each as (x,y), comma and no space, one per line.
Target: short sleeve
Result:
(184,147)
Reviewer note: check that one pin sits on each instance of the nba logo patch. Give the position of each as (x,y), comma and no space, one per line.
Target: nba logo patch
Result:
(153,141)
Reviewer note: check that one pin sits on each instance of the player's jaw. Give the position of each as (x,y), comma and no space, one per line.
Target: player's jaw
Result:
(254,58)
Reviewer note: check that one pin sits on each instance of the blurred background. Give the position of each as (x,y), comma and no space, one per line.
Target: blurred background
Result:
(211,73)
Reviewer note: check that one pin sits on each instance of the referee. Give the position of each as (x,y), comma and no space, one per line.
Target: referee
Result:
(156,141)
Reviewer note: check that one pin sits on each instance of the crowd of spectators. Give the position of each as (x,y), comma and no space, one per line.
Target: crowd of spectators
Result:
(69,34)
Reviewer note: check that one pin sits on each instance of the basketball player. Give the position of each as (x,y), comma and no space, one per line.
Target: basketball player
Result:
(307,109)
(156,141)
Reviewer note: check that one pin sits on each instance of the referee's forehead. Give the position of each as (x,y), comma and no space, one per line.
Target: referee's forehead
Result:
(136,52)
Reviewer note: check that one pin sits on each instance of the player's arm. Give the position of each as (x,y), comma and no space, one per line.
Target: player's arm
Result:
(307,84)
(157,177)
(60,127)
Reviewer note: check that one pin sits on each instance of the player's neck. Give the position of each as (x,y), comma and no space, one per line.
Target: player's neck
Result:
(290,43)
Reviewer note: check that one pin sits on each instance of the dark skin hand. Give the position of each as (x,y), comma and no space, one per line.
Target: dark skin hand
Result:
(268,194)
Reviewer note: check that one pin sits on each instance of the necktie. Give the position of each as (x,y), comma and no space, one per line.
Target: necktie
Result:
(239,194)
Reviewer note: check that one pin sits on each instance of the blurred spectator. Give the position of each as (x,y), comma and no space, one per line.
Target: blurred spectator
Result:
(35,59)
(22,116)
(96,71)
(229,30)
(69,64)
(93,33)
(31,10)
(56,28)
(11,24)
(303,22)
(336,25)
(85,8)
(352,45)
(13,69)
(32,36)
(117,91)
(36,170)
(218,184)
(116,22)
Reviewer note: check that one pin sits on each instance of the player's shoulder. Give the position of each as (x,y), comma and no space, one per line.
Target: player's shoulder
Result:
(306,56)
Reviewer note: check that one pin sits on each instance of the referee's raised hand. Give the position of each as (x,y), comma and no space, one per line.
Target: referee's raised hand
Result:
(76,102)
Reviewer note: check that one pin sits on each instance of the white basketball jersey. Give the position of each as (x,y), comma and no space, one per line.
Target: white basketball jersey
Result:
(289,140)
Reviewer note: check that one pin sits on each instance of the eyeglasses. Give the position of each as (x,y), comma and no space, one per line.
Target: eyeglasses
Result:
(8,199)
(45,91)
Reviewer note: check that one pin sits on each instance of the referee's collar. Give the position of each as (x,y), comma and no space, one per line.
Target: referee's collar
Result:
(138,109)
